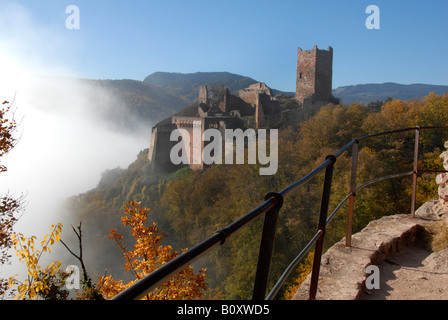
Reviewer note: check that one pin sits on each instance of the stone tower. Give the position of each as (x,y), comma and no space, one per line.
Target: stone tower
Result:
(314,74)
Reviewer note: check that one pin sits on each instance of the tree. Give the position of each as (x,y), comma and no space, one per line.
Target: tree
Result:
(89,290)
(7,127)
(301,273)
(148,255)
(8,205)
(38,277)
(194,205)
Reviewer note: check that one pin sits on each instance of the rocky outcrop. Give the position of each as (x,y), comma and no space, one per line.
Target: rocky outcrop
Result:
(343,269)
(434,209)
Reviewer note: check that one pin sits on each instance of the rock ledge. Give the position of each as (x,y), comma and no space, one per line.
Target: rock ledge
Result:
(343,270)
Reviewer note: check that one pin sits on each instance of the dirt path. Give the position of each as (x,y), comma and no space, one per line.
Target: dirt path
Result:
(413,274)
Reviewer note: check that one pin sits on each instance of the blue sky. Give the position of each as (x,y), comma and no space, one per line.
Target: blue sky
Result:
(131,39)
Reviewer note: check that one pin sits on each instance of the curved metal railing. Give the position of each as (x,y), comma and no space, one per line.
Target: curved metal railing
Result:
(271,207)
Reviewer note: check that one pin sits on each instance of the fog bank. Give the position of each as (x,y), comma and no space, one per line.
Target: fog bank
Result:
(65,140)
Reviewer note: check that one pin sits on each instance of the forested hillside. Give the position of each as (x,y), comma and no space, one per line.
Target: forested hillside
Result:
(190,206)
(122,105)
(141,101)
(127,104)
(186,85)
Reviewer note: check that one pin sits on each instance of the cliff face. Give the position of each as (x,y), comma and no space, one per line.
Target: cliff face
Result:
(343,270)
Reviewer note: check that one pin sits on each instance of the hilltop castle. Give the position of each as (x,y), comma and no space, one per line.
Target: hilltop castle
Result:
(255,106)
(314,75)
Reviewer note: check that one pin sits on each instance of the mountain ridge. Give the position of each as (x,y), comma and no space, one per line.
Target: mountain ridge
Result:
(172,80)
(185,85)
(370,92)
(163,94)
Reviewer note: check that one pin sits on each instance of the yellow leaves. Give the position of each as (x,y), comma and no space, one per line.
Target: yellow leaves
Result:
(33,274)
(301,273)
(396,114)
(25,250)
(44,241)
(39,286)
(53,268)
(148,255)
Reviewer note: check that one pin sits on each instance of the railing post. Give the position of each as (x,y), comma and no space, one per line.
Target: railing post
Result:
(351,201)
(415,171)
(266,248)
(322,226)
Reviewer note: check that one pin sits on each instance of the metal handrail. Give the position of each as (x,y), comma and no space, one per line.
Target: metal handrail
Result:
(302,254)
(154,279)
(271,207)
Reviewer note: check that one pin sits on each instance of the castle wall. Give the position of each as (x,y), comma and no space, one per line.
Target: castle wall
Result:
(224,105)
(159,151)
(203,94)
(220,123)
(306,74)
(219,109)
(195,134)
(236,103)
(324,75)
(250,94)
(314,74)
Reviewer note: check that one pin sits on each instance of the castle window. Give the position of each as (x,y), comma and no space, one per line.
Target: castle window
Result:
(300,75)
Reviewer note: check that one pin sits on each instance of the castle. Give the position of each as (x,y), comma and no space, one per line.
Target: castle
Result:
(314,75)
(255,107)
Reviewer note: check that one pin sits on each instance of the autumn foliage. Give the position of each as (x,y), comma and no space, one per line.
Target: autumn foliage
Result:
(191,205)
(9,206)
(38,277)
(149,254)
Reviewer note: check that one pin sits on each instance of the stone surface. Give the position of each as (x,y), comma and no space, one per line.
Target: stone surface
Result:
(428,210)
(413,274)
(314,74)
(343,270)
(434,209)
